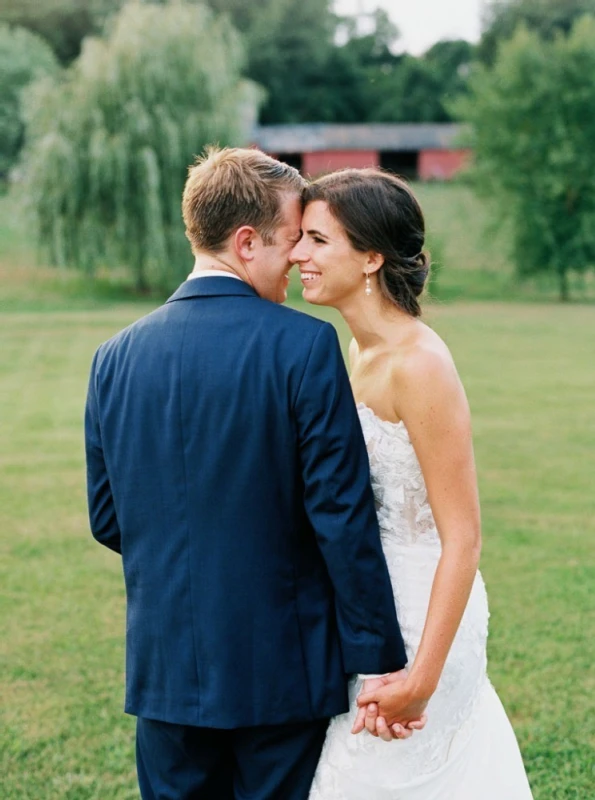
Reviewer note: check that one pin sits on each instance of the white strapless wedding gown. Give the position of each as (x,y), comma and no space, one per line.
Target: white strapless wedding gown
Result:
(468,750)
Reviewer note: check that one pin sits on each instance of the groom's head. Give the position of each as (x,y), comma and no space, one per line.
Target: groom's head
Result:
(242,209)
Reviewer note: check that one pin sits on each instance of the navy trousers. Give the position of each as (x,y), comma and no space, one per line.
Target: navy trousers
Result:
(181,762)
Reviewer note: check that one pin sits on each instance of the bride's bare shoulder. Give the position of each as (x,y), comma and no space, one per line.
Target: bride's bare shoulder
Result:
(422,369)
(419,350)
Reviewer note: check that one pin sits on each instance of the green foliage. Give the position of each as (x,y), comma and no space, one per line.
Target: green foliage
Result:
(243,14)
(62,23)
(546,17)
(371,63)
(532,133)
(24,57)
(320,68)
(110,143)
(314,65)
(289,45)
(421,89)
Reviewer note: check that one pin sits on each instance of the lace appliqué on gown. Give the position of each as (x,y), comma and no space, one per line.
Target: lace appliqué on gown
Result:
(365,768)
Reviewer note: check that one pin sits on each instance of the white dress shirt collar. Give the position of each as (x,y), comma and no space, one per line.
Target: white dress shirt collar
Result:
(212,273)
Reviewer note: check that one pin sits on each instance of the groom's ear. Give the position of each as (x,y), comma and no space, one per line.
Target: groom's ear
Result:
(245,241)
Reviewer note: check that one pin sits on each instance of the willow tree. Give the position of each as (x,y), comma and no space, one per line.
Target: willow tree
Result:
(109,144)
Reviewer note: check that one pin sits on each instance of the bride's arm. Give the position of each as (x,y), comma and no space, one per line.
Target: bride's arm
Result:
(432,403)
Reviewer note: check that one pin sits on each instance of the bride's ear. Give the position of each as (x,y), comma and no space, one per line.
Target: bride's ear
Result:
(373,262)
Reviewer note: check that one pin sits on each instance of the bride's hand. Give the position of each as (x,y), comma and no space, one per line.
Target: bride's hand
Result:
(391,707)
(368,718)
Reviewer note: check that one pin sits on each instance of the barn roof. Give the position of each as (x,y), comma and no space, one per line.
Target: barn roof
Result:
(375,136)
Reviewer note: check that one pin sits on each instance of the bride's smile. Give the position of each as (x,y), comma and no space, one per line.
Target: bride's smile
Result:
(331,270)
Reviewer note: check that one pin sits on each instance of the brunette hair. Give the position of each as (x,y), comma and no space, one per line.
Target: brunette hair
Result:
(380,213)
(231,187)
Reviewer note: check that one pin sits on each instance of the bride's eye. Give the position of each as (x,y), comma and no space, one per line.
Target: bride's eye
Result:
(318,240)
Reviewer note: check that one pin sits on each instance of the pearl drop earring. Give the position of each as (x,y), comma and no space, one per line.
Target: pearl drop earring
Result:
(368,289)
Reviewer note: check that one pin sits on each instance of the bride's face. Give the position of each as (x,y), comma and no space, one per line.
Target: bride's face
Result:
(330,268)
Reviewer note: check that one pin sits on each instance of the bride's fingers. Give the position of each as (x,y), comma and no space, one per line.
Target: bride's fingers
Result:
(359,722)
(371,716)
(383,730)
(418,724)
(399,732)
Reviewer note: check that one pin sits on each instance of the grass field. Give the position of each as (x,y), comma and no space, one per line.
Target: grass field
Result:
(528,369)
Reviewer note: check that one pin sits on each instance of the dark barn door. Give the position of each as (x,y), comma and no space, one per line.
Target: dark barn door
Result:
(293,159)
(401,162)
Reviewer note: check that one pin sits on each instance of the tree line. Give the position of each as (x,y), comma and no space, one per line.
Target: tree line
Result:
(314,65)
(108,102)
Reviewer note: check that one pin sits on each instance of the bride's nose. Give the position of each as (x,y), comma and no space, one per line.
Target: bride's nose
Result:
(298,255)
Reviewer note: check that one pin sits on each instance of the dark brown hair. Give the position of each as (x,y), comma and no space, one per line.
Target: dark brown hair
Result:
(231,187)
(380,213)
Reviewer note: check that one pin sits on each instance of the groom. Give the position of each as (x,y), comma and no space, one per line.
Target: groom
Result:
(226,464)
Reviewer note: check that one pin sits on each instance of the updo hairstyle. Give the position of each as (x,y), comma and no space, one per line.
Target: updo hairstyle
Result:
(380,213)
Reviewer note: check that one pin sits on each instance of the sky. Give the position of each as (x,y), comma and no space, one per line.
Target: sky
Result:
(423,22)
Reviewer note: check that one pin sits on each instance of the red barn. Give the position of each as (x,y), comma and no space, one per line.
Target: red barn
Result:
(422,151)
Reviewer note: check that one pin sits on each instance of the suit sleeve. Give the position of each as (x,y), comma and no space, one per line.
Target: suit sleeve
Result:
(340,505)
(102,512)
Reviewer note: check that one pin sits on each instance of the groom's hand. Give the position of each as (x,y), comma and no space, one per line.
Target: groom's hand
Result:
(391,707)
(366,716)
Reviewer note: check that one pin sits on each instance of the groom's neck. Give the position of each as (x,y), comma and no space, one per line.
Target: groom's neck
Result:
(223,262)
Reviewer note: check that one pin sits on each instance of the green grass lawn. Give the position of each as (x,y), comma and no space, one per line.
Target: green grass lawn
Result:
(530,378)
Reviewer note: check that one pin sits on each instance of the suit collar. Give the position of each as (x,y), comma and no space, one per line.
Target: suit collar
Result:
(212,287)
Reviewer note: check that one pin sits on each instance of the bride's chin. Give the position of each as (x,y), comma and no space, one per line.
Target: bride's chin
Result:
(311,297)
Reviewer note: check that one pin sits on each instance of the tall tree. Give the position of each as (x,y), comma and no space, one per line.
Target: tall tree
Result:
(289,45)
(109,145)
(242,13)
(546,17)
(374,46)
(292,53)
(24,57)
(62,23)
(532,134)
(420,89)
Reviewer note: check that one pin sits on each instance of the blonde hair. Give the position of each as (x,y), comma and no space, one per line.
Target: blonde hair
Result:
(231,187)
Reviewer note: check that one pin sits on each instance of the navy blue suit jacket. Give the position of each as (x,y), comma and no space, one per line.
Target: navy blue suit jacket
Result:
(226,463)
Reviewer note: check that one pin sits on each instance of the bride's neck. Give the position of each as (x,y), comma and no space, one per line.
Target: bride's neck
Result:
(373,321)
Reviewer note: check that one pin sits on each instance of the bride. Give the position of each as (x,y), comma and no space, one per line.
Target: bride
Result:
(362,253)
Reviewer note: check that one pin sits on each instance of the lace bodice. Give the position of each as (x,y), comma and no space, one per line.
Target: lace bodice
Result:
(404,513)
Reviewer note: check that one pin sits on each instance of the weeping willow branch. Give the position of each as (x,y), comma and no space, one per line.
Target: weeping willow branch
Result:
(109,144)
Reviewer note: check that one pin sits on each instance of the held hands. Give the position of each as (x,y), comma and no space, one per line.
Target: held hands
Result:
(390,708)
